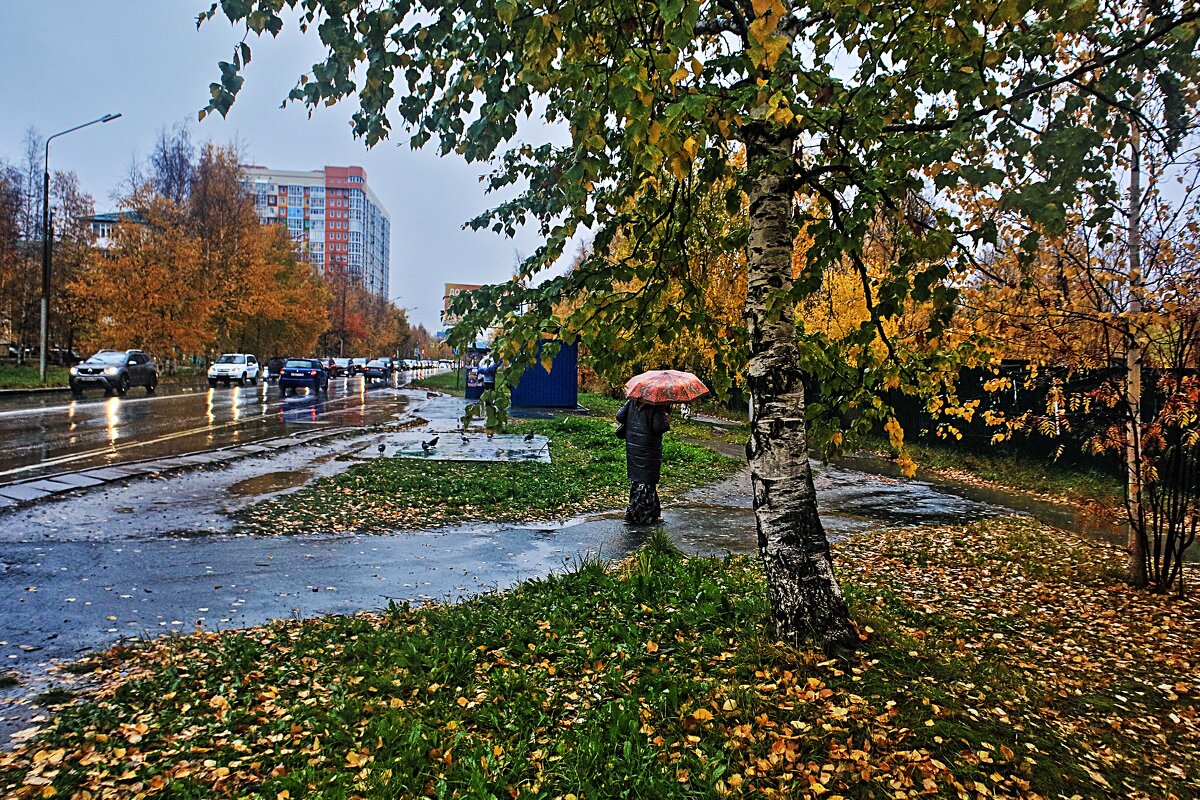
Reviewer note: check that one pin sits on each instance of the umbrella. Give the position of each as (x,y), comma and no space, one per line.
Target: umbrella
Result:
(665,386)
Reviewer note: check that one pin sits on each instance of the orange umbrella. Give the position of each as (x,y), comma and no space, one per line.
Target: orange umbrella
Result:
(664,386)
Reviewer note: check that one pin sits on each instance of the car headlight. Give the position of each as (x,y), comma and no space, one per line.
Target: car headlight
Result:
(74,370)
(110,370)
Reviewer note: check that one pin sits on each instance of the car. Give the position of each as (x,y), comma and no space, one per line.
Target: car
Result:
(341,368)
(303,373)
(388,362)
(274,366)
(241,367)
(357,365)
(376,370)
(403,366)
(114,371)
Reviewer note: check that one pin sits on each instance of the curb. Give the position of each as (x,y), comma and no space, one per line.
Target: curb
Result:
(36,390)
(33,390)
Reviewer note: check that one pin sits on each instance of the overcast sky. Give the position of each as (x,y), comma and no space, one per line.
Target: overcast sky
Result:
(64,62)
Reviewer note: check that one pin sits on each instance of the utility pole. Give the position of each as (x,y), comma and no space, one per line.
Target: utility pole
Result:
(342,337)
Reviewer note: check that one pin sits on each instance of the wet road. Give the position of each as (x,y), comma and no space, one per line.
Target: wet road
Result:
(49,433)
(78,575)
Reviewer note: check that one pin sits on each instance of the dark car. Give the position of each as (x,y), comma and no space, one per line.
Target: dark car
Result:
(341,368)
(274,367)
(376,370)
(306,373)
(388,362)
(114,371)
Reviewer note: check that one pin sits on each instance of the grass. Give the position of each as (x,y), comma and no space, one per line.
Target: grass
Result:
(660,679)
(26,377)
(1058,480)
(587,473)
(443,382)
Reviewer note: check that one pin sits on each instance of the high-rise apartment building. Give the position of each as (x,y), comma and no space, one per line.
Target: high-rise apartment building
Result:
(333,216)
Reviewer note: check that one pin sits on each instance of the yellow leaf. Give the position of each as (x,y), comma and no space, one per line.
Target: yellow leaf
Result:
(702,714)
(651,647)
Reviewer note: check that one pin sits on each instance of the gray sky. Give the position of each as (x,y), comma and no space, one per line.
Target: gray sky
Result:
(65,62)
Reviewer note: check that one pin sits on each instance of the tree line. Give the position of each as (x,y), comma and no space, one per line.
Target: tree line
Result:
(187,273)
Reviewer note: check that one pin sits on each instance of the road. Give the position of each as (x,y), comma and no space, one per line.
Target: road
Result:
(49,433)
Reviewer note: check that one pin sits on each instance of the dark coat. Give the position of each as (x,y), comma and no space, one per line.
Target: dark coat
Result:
(644,426)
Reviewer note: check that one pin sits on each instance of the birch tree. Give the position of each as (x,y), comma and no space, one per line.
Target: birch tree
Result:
(842,107)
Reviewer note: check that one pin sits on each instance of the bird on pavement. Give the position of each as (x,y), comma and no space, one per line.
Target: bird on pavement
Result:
(427,446)
(381,448)
(529,437)
(464,438)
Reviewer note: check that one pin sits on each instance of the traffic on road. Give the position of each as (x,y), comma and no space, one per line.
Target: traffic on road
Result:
(52,432)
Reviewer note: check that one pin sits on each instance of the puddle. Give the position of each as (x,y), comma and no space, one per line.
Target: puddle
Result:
(270,482)
(1092,523)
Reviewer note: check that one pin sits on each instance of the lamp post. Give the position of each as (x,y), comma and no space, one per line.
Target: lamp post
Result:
(45,327)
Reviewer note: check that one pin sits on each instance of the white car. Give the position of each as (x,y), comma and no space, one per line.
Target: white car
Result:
(240,367)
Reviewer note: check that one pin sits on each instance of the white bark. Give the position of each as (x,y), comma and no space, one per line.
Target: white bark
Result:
(1133,371)
(806,600)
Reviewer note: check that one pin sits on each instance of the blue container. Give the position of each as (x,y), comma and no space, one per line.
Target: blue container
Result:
(473,383)
(558,388)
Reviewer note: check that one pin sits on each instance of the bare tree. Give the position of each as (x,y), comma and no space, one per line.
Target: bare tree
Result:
(172,165)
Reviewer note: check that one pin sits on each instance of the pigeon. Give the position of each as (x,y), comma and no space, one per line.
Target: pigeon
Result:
(529,437)
(427,446)
(381,448)
(464,438)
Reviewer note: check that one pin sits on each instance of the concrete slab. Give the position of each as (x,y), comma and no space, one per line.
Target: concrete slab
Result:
(22,492)
(50,485)
(77,480)
(106,474)
(199,459)
(134,470)
(455,446)
(7,502)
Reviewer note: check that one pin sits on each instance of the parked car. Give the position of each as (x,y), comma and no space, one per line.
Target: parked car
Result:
(376,370)
(114,371)
(274,367)
(306,373)
(357,365)
(241,367)
(341,368)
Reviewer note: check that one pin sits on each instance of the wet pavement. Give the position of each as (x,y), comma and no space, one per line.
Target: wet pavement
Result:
(50,432)
(122,562)
(157,555)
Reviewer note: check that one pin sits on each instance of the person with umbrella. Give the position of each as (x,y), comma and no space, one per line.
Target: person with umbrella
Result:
(641,422)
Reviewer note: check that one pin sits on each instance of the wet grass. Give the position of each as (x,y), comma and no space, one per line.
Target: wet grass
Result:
(660,678)
(587,473)
(26,377)
(451,382)
(1072,483)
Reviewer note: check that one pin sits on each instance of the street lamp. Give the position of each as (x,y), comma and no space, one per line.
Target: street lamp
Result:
(45,329)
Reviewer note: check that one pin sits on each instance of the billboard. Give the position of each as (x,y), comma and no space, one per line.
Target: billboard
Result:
(451,290)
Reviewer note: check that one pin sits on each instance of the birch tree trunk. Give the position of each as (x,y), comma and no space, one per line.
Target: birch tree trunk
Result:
(1138,574)
(806,600)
